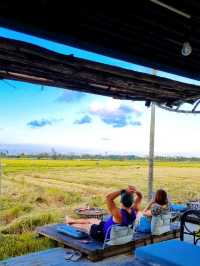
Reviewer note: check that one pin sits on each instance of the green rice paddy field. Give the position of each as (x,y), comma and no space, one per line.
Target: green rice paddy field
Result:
(37,192)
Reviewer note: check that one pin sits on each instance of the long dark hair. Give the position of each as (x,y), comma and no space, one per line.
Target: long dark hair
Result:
(161,197)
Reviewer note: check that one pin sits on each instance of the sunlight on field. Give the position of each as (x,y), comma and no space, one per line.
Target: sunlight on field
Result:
(37,192)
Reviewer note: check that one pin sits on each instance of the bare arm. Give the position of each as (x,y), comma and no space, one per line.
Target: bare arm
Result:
(138,200)
(113,209)
(147,210)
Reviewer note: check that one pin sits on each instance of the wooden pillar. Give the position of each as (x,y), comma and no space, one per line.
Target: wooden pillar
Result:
(1,175)
(1,172)
(151,152)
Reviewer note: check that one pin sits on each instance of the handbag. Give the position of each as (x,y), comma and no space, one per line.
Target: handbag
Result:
(160,224)
(119,235)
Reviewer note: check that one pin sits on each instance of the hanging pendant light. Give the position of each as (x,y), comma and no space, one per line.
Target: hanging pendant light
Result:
(186,49)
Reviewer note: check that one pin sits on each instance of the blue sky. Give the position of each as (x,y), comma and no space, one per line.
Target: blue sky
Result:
(32,114)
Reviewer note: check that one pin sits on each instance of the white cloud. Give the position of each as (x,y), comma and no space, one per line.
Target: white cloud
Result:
(116,113)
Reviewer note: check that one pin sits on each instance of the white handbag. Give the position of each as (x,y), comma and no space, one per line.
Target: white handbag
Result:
(119,235)
(160,224)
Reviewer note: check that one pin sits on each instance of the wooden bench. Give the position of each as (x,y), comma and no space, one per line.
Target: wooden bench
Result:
(94,250)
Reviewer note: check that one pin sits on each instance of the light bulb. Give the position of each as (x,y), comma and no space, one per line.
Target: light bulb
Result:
(186,49)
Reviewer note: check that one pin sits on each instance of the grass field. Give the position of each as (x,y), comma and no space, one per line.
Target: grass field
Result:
(37,192)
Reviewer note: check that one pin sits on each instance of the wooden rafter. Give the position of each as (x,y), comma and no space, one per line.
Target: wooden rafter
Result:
(26,62)
(148,34)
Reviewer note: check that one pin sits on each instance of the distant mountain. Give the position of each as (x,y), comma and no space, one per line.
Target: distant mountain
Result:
(15,149)
(34,149)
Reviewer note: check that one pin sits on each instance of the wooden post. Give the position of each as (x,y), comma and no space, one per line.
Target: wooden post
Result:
(1,175)
(151,152)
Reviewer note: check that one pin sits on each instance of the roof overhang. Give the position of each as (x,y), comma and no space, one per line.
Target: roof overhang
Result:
(26,62)
(147,32)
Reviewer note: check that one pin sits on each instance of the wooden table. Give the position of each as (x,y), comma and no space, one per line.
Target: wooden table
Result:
(91,212)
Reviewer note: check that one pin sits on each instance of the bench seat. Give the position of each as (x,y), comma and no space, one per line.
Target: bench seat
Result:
(94,250)
(170,253)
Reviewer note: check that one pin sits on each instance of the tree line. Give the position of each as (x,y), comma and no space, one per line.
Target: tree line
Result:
(59,156)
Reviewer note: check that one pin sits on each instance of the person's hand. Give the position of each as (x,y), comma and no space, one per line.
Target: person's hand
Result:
(152,201)
(131,189)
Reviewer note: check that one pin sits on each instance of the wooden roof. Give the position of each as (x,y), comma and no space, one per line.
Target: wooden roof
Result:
(31,63)
(148,32)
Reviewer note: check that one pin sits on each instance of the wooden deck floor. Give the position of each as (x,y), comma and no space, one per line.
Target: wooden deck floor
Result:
(55,257)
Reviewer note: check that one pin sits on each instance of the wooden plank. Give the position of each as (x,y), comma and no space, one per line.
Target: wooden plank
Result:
(51,232)
(47,257)
(31,63)
(55,257)
(94,250)
(147,34)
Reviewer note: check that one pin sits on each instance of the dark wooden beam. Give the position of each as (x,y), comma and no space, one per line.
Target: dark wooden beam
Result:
(147,34)
(31,63)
